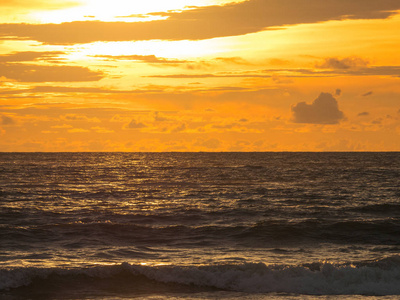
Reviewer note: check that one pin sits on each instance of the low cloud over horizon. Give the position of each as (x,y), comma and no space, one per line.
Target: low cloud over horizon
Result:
(323,110)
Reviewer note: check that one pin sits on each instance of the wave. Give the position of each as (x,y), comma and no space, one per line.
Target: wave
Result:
(380,208)
(265,233)
(380,277)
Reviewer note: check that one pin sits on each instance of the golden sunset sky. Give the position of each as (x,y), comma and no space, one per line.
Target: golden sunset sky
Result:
(200,75)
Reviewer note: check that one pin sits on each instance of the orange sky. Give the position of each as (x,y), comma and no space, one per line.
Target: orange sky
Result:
(200,75)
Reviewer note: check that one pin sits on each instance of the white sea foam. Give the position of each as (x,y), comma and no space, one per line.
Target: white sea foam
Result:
(380,278)
(374,278)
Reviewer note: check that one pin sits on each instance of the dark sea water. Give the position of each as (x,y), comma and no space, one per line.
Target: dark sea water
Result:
(199,225)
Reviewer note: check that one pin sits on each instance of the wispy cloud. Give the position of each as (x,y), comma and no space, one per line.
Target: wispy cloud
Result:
(343,63)
(31,56)
(39,73)
(141,58)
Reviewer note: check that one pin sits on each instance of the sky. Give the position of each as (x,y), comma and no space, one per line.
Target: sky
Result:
(199,75)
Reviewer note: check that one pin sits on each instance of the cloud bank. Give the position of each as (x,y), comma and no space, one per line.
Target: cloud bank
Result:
(205,22)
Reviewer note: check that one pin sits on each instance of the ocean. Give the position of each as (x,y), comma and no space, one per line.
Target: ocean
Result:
(199,225)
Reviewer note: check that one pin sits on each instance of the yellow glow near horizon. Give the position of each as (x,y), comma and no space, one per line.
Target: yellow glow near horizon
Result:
(164,49)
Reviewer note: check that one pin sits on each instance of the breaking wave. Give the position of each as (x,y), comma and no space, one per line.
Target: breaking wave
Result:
(381,277)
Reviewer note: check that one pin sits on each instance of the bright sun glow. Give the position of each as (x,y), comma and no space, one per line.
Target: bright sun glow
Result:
(165,49)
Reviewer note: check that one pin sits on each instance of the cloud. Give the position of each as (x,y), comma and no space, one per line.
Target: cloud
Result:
(280,79)
(166,62)
(6,120)
(205,22)
(367,94)
(30,56)
(35,73)
(323,110)
(372,71)
(152,59)
(79,90)
(233,60)
(66,89)
(159,118)
(219,75)
(78,130)
(341,145)
(76,117)
(331,71)
(224,126)
(342,63)
(99,129)
(135,125)
(351,66)
(65,126)
(363,114)
(179,128)
(209,144)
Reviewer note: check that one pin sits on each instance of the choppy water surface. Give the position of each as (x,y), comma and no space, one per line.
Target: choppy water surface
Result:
(199,225)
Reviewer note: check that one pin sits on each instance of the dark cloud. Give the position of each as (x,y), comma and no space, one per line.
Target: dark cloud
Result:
(324,110)
(351,66)
(338,92)
(205,22)
(35,73)
(371,71)
(159,118)
(377,121)
(363,114)
(135,125)
(6,120)
(342,63)
(76,117)
(367,94)
(179,128)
